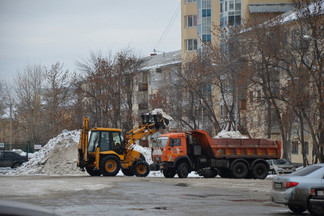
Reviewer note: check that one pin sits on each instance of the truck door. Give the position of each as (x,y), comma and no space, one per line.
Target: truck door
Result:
(175,149)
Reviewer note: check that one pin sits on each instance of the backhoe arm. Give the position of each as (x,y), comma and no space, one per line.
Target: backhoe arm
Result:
(83,144)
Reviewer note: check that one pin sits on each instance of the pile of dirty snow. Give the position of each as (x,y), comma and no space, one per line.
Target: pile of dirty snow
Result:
(230,134)
(57,157)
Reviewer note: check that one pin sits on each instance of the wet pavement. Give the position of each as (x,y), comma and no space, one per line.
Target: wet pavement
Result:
(83,195)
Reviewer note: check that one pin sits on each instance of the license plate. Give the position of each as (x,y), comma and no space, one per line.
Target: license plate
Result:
(320,192)
(277,185)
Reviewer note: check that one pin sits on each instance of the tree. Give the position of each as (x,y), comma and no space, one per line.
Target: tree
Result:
(29,92)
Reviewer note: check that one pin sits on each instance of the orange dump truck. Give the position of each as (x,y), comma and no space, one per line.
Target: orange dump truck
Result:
(181,153)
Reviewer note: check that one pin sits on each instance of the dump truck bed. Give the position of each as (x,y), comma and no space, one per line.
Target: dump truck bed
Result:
(227,148)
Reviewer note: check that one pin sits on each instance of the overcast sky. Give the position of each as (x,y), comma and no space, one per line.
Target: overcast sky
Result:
(45,32)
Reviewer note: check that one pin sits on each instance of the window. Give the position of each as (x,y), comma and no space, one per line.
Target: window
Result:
(231,5)
(221,7)
(191,21)
(294,149)
(94,140)
(190,1)
(191,44)
(175,142)
(306,148)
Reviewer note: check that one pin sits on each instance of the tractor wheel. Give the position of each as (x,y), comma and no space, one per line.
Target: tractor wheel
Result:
(110,165)
(183,170)
(240,170)
(93,172)
(141,169)
(128,172)
(260,171)
(169,173)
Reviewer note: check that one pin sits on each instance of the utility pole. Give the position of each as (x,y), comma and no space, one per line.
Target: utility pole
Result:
(10,127)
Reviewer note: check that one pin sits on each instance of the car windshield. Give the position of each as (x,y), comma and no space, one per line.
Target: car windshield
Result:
(306,171)
(281,162)
(162,142)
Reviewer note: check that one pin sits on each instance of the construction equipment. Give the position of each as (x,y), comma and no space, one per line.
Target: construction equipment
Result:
(105,152)
(181,153)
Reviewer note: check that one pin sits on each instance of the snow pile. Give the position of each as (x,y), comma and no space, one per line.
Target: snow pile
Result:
(57,157)
(230,134)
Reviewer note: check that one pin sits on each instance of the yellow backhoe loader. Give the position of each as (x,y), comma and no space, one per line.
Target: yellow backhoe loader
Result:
(103,151)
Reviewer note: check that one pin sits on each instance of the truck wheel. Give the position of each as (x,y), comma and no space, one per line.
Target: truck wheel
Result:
(93,172)
(169,173)
(210,173)
(183,170)
(225,173)
(260,171)
(240,170)
(110,165)
(141,169)
(128,172)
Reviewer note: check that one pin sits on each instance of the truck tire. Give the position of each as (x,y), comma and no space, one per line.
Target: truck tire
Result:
(240,170)
(110,165)
(260,171)
(169,173)
(141,168)
(128,172)
(209,173)
(225,173)
(183,170)
(93,172)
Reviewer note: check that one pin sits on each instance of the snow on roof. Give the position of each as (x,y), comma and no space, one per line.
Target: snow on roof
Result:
(270,8)
(162,60)
(313,9)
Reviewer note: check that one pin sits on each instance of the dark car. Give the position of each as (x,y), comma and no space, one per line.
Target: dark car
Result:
(293,190)
(11,159)
(316,201)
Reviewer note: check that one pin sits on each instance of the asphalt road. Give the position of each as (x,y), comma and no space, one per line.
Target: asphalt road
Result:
(85,195)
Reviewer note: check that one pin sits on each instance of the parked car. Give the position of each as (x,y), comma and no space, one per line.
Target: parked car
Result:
(282,166)
(294,189)
(11,159)
(316,201)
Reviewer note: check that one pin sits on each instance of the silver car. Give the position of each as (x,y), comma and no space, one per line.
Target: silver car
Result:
(294,189)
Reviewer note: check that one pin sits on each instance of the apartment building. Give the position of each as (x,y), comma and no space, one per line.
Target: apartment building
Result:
(200,17)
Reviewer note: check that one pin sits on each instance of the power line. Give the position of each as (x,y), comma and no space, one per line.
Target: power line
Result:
(167,29)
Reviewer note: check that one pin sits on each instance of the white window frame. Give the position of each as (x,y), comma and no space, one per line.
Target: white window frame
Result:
(191,44)
(192,18)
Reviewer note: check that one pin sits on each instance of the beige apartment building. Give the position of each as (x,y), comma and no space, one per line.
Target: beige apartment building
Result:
(199,17)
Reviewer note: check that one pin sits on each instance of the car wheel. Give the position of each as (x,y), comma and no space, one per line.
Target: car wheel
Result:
(316,210)
(16,165)
(296,208)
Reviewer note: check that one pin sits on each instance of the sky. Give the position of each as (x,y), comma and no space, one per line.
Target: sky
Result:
(43,32)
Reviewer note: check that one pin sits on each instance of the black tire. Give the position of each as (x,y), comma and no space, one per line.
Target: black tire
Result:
(141,168)
(110,165)
(183,170)
(210,173)
(169,173)
(225,173)
(316,210)
(16,165)
(240,170)
(128,172)
(296,208)
(93,172)
(260,171)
